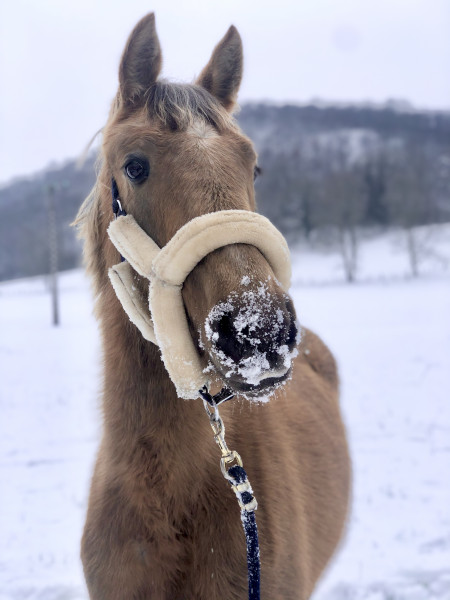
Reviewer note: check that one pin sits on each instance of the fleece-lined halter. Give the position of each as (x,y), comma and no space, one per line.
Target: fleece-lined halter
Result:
(162,317)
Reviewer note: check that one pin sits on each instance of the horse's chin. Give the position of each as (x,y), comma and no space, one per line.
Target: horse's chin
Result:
(264,388)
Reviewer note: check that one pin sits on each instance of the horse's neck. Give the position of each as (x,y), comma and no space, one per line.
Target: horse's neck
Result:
(139,398)
(145,423)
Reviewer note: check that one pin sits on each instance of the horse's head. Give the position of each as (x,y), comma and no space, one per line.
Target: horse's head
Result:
(175,153)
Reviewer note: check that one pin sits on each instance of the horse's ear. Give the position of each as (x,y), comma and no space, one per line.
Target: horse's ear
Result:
(141,61)
(222,75)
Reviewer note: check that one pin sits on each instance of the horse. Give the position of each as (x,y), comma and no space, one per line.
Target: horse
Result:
(161,521)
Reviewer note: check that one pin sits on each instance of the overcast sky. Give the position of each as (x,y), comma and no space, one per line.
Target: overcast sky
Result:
(59,59)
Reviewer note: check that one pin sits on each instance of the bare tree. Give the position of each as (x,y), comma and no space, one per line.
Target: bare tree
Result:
(375,162)
(409,196)
(342,201)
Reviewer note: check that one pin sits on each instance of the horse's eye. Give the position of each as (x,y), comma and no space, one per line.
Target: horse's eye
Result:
(256,172)
(137,169)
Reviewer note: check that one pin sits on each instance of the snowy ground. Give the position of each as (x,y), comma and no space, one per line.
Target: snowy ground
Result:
(391,336)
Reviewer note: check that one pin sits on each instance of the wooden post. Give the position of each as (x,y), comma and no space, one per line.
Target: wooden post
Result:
(53,253)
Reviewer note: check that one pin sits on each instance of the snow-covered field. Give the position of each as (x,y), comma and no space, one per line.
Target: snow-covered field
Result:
(391,335)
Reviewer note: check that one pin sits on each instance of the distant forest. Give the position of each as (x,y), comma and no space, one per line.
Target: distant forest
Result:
(325,171)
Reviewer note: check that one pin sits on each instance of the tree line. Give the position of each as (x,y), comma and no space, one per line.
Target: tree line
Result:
(326,173)
(338,181)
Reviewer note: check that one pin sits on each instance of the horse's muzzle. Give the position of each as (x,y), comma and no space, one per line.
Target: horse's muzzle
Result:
(253,339)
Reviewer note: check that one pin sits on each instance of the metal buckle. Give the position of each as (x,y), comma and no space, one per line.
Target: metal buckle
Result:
(224,395)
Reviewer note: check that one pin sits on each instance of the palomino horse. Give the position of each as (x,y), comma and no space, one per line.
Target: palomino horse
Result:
(161,522)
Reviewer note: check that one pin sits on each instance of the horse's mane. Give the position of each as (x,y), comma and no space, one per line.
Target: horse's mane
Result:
(178,106)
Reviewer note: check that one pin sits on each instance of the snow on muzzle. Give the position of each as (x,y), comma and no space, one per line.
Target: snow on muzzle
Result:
(253,337)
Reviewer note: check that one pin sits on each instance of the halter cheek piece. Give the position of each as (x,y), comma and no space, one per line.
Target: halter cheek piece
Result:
(165,324)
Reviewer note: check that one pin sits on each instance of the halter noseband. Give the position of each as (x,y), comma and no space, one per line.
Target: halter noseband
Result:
(165,324)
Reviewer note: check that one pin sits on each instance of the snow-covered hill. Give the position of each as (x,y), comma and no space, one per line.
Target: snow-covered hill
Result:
(392,341)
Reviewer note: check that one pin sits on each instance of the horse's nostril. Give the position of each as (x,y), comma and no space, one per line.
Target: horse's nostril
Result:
(291,338)
(225,338)
(292,335)
(224,327)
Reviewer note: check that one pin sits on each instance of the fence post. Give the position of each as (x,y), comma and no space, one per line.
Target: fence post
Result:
(53,252)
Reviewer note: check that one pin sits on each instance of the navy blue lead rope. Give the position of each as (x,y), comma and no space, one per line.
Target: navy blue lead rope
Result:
(251,536)
(238,476)
(236,473)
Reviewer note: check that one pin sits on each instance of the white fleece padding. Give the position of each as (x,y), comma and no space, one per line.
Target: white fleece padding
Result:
(133,244)
(167,270)
(178,351)
(134,304)
(203,235)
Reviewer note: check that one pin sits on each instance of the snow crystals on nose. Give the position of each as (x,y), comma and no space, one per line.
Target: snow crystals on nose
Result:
(256,316)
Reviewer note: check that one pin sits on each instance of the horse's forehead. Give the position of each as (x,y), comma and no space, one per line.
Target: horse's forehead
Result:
(202,130)
(200,138)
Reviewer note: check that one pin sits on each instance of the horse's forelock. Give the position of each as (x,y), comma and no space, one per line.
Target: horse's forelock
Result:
(178,106)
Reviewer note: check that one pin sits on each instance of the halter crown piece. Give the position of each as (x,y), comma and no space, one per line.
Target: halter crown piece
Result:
(162,318)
